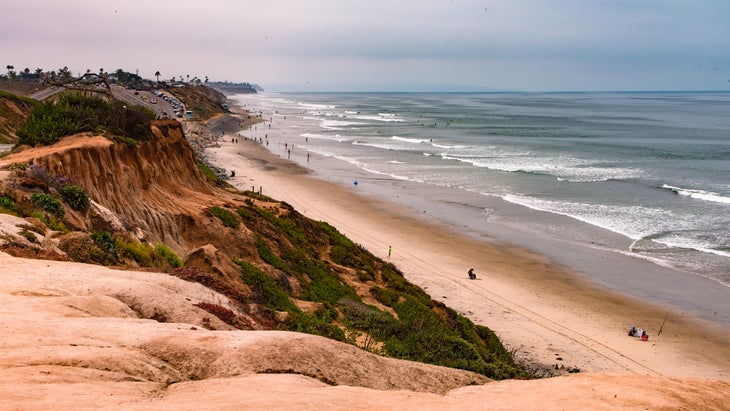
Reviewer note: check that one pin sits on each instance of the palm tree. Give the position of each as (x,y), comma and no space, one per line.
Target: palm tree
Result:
(157,74)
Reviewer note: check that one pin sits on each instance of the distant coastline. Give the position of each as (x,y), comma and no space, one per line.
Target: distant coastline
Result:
(235,88)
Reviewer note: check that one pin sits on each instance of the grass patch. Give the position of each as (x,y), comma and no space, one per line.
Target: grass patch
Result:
(50,221)
(159,256)
(227,217)
(211,176)
(170,256)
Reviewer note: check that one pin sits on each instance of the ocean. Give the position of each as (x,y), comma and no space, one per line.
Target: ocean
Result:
(641,174)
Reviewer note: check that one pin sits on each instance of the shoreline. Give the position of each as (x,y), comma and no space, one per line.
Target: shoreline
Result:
(542,311)
(591,252)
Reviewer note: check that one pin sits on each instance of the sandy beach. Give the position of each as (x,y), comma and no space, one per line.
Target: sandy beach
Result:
(541,310)
(83,336)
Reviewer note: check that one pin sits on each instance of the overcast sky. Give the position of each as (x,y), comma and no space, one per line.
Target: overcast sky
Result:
(378,45)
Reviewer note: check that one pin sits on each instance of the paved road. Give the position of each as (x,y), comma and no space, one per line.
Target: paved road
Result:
(162,108)
(45,93)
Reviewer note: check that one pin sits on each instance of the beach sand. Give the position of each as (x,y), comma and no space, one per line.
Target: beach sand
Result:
(543,312)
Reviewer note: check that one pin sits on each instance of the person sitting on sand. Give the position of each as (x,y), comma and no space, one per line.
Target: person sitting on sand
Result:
(472,276)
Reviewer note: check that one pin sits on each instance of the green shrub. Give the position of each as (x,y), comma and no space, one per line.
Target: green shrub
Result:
(46,124)
(385,296)
(274,297)
(142,253)
(50,221)
(270,258)
(169,255)
(394,279)
(364,317)
(75,197)
(245,214)
(310,324)
(130,142)
(8,206)
(75,113)
(106,242)
(48,203)
(228,218)
(324,286)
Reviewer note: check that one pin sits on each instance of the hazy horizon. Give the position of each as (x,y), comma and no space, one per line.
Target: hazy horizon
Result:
(436,45)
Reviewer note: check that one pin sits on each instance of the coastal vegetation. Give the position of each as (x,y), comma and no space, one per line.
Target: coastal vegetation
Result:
(76,113)
(359,298)
(289,272)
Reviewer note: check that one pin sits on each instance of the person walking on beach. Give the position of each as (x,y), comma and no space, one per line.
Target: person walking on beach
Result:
(390,251)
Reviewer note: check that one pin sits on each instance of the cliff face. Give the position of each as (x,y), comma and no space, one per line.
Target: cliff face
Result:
(155,186)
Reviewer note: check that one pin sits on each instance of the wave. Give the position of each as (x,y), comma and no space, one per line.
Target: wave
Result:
(573,171)
(395,176)
(681,239)
(376,118)
(633,222)
(340,123)
(448,147)
(359,164)
(336,137)
(410,140)
(698,194)
(641,224)
(317,106)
